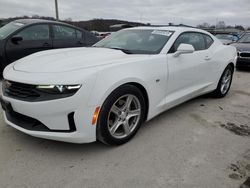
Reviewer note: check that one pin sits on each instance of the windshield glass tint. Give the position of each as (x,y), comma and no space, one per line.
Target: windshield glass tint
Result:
(245,38)
(9,28)
(137,41)
(225,37)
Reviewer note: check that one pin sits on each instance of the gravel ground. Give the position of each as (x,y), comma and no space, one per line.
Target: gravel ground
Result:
(202,143)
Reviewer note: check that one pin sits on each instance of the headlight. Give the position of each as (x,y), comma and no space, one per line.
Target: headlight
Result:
(59,89)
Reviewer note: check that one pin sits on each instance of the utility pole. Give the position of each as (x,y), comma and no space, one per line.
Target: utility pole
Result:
(56,6)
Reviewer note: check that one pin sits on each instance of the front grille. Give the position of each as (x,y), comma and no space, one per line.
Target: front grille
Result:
(29,92)
(244,54)
(20,90)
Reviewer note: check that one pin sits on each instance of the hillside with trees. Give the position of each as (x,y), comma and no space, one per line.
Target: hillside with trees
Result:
(95,24)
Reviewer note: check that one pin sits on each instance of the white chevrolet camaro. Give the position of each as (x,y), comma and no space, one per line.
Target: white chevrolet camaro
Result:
(107,91)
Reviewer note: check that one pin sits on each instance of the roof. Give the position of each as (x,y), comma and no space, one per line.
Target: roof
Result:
(171,28)
(31,21)
(34,21)
(121,25)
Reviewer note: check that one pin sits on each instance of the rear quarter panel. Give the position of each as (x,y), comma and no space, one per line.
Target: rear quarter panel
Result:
(222,56)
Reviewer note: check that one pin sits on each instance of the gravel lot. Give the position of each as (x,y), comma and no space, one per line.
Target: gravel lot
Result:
(202,143)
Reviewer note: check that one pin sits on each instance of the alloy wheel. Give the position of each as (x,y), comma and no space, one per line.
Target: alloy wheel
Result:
(124,116)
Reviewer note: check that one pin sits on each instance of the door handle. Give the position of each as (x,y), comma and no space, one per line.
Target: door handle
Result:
(207,57)
(79,43)
(46,44)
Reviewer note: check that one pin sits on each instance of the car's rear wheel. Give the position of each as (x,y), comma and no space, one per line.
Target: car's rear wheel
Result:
(224,83)
(121,115)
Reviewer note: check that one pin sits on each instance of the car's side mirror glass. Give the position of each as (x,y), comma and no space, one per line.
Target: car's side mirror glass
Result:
(15,39)
(184,49)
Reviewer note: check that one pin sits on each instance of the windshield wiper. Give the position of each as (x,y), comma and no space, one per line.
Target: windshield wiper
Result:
(123,50)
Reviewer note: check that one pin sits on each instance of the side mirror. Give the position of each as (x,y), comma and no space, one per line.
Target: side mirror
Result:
(184,49)
(15,39)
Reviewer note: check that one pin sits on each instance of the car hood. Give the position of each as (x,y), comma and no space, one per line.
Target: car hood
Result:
(242,46)
(70,59)
(225,41)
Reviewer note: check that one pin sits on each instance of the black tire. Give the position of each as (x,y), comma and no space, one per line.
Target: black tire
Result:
(103,128)
(218,93)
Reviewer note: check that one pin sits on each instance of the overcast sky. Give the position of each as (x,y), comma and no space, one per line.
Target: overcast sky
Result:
(190,12)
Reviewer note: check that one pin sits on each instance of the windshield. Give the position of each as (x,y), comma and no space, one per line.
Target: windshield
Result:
(137,41)
(9,28)
(225,37)
(245,38)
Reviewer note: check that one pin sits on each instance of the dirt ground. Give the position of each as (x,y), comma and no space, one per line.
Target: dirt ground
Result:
(202,143)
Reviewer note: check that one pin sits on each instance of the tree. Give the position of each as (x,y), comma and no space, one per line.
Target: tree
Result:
(68,19)
(1,23)
(240,27)
(35,16)
(221,25)
(204,25)
(212,27)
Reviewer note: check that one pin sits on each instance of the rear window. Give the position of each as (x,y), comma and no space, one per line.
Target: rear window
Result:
(209,41)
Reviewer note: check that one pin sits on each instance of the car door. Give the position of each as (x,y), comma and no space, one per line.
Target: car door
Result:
(34,38)
(65,37)
(188,73)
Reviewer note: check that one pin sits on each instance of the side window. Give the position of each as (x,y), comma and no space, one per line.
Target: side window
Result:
(209,41)
(35,32)
(90,39)
(64,32)
(194,39)
(78,34)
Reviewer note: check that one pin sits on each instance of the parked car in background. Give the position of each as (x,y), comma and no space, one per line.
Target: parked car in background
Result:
(243,50)
(101,35)
(24,37)
(227,38)
(107,91)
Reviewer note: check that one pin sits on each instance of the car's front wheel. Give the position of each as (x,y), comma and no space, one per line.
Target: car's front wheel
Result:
(224,83)
(121,115)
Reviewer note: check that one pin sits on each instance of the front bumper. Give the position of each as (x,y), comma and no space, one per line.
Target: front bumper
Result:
(243,62)
(53,119)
